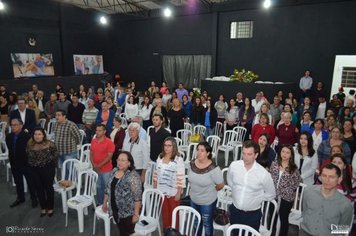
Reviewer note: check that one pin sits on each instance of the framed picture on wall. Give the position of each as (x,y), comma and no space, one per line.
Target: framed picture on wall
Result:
(32,64)
(88,64)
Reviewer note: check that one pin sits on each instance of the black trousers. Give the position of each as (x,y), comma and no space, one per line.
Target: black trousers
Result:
(43,182)
(18,172)
(283,213)
(125,225)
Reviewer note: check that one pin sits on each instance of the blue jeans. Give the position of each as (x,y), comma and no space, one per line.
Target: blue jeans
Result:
(103,179)
(206,212)
(209,131)
(250,218)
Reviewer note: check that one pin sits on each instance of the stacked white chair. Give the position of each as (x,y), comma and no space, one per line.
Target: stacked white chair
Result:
(187,126)
(223,202)
(191,153)
(295,216)
(184,135)
(228,144)
(84,197)
(188,216)
(199,129)
(84,158)
(214,142)
(218,129)
(241,133)
(244,230)
(152,200)
(149,175)
(50,130)
(70,173)
(269,213)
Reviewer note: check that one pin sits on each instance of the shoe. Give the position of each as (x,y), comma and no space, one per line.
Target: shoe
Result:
(43,213)
(34,203)
(50,214)
(17,202)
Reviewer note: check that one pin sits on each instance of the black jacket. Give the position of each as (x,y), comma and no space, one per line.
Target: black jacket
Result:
(17,153)
(197,115)
(30,119)
(213,116)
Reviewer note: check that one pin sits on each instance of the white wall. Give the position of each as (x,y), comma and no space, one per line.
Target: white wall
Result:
(340,62)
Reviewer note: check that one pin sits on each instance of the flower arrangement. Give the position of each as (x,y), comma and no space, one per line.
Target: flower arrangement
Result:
(196,92)
(243,76)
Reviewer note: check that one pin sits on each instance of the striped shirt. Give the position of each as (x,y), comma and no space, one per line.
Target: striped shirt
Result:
(89,115)
(66,137)
(169,176)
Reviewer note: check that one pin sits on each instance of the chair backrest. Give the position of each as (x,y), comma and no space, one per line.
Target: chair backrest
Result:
(214,142)
(269,211)
(224,198)
(50,127)
(218,128)
(199,129)
(274,144)
(244,230)
(123,120)
(82,135)
(241,132)
(168,129)
(87,183)
(152,200)
(70,170)
(42,123)
(184,135)
(297,205)
(191,152)
(4,151)
(187,217)
(3,126)
(149,175)
(187,126)
(85,153)
(224,173)
(229,138)
(178,141)
(149,129)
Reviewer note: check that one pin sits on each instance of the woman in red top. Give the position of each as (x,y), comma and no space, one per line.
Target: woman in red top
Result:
(263,128)
(287,133)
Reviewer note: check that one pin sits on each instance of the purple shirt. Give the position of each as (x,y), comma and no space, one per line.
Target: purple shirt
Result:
(180,93)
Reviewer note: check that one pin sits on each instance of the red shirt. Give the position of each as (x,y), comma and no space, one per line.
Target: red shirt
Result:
(100,151)
(286,134)
(258,129)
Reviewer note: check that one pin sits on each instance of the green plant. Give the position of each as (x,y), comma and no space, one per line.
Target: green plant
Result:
(243,76)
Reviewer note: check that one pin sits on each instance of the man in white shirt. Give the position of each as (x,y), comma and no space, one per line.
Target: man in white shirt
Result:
(322,108)
(251,185)
(305,84)
(257,102)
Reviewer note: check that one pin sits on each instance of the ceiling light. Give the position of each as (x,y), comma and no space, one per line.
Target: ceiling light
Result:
(267,4)
(167,12)
(2,6)
(103,20)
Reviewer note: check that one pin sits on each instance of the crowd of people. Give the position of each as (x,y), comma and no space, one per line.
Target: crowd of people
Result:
(290,140)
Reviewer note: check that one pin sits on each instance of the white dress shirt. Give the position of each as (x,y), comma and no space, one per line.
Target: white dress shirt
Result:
(23,115)
(139,151)
(320,114)
(256,105)
(250,187)
(310,165)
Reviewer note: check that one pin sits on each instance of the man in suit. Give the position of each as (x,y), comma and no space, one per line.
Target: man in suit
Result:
(27,116)
(16,141)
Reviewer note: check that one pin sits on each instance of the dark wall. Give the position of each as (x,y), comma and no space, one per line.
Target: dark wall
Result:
(60,29)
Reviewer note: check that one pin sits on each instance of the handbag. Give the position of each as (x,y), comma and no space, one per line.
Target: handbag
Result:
(171,232)
(185,201)
(221,217)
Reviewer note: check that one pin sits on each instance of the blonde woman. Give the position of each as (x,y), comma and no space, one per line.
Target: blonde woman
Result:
(33,106)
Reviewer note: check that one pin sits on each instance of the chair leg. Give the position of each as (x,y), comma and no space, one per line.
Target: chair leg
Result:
(159,229)
(7,174)
(226,157)
(85,210)
(64,201)
(94,223)
(80,220)
(67,218)
(107,226)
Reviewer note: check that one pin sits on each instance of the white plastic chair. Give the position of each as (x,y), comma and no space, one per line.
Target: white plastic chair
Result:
(224,173)
(218,128)
(274,144)
(123,120)
(42,123)
(223,202)
(214,142)
(241,133)
(228,144)
(83,135)
(178,141)
(295,216)
(152,200)
(50,129)
(184,135)
(84,158)
(188,216)
(4,152)
(149,175)
(199,129)
(3,126)
(70,167)
(84,197)
(244,230)
(99,213)
(188,126)
(269,213)
(191,153)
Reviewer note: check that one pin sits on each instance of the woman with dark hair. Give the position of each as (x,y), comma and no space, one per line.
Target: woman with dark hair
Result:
(346,186)
(306,106)
(306,158)
(155,98)
(59,89)
(349,135)
(197,114)
(164,88)
(246,115)
(289,99)
(306,122)
(286,179)
(205,180)
(42,158)
(4,108)
(169,178)
(117,136)
(231,115)
(124,191)
(145,112)
(209,118)
(221,107)
(12,102)
(131,108)
(176,117)
(267,154)
(345,114)
(166,97)
(318,133)
(187,106)
(263,127)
